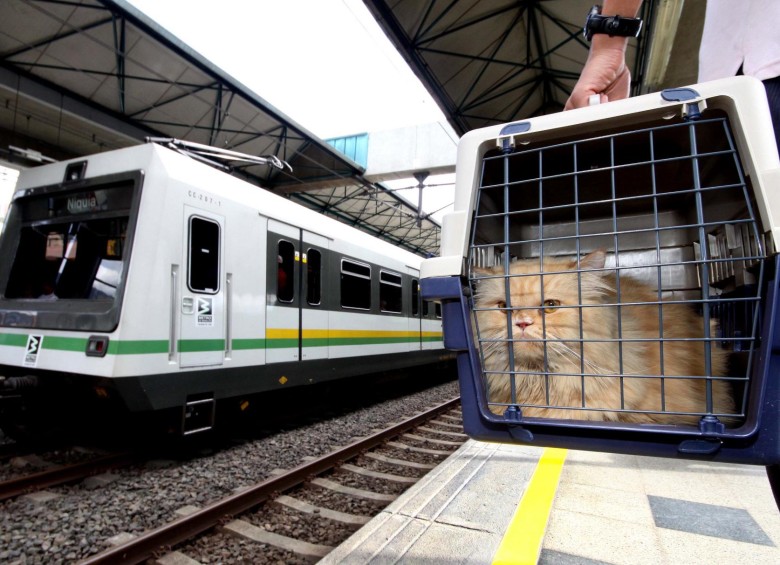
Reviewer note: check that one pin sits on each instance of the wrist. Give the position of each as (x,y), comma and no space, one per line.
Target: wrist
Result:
(622,8)
(602,42)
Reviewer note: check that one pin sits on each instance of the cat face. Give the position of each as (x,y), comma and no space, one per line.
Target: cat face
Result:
(539,312)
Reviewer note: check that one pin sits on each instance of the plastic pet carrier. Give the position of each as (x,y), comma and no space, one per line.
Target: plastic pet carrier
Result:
(609,276)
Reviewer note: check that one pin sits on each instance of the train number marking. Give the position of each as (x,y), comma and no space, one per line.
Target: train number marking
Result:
(34,343)
(205,198)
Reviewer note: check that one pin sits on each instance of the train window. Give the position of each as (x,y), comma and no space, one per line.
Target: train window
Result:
(285,278)
(437,309)
(415,297)
(72,260)
(107,279)
(313,277)
(355,285)
(204,255)
(390,295)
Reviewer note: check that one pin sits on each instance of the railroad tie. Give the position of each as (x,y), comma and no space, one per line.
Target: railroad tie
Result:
(175,558)
(447,425)
(401,462)
(356,492)
(442,432)
(405,447)
(301,506)
(378,475)
(436,441)
(253,533)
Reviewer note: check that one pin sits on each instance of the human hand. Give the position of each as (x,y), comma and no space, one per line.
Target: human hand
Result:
(605,74)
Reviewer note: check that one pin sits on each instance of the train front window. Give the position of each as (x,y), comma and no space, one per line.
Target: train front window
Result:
(66,249)
(69,260)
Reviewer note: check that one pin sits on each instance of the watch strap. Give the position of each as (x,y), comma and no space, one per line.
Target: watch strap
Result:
(610,25)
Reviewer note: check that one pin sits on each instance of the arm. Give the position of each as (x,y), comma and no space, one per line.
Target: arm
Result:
(605,72)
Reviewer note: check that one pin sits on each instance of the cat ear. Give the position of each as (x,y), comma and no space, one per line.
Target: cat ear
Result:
(594,260)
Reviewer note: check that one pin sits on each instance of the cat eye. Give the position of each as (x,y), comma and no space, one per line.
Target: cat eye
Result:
(551,306)
(500,304)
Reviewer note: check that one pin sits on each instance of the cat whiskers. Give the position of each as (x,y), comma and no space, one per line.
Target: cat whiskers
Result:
(565,349)
(494,347)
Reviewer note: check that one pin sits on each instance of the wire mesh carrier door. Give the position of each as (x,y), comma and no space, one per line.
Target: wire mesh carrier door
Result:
(617,280)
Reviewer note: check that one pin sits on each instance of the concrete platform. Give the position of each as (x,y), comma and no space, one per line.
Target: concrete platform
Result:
(491,503)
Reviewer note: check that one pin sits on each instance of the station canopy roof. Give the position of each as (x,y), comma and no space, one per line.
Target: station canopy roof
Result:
(488,62)
(82,76)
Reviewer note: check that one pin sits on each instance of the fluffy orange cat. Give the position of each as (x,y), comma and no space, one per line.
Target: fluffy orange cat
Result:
(536,316)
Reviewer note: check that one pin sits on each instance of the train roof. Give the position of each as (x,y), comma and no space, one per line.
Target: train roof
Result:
(187,169)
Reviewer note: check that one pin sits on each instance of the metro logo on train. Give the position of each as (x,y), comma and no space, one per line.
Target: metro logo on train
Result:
(205,312)
(34,343)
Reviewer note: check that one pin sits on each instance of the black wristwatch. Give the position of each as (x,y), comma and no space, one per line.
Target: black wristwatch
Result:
(610,25)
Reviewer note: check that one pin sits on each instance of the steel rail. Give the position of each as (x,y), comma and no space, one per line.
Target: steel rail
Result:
(63,474)
(186,527)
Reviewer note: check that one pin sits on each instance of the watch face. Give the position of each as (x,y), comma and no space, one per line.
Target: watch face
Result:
(590,28)
(591,22)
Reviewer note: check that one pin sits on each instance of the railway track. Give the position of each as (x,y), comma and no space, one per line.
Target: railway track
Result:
(60,474)
(299,515)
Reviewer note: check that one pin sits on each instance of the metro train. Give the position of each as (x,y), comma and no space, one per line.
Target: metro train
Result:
(149,282)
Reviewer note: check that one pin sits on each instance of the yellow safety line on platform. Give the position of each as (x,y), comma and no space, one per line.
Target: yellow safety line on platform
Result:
(523,538)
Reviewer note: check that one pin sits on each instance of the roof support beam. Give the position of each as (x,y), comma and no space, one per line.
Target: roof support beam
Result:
(312,203)
(470,23)
(15,80)
(496,48)
(55,38)
(535,34)
(118,25)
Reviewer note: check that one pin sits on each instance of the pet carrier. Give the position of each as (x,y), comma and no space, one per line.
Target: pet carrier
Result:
(608,277)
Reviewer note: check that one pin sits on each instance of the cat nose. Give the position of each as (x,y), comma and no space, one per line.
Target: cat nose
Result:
(524,322)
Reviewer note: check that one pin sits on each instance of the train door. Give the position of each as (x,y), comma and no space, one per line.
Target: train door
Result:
(296,318)
(314,315)
(415,316)
(202,322)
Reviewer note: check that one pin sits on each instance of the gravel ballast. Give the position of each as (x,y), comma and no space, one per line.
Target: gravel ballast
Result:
(78,522)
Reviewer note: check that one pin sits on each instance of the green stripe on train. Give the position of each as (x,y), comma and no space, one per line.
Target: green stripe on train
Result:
(13,340)
(49,342)
(281,343)
(137,346)
(157,346)
(64,343)
(194,345)
(249,344)
(371,340)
